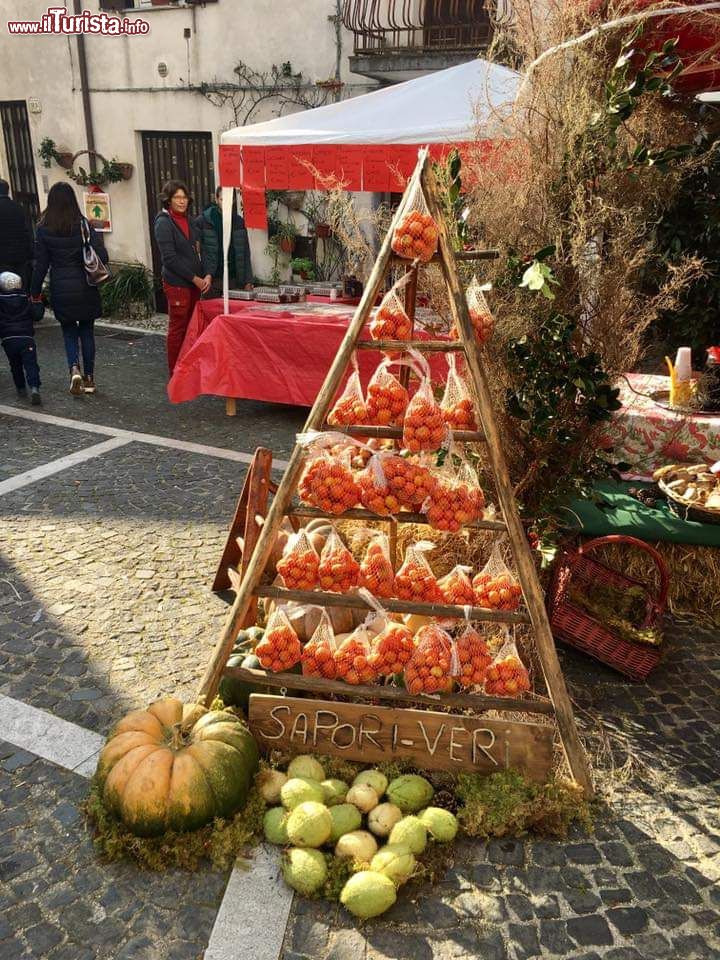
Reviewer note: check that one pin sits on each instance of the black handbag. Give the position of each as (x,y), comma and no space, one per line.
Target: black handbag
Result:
(95,270)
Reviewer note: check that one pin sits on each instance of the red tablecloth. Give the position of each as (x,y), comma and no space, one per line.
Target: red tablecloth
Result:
(279,353)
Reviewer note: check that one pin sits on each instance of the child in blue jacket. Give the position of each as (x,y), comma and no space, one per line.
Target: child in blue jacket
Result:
(17,314)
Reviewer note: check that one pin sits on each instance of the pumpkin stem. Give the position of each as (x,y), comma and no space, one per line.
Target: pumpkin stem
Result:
(177,736)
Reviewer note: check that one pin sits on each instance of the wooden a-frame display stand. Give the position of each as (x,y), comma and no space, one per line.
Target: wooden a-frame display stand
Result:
(356,734)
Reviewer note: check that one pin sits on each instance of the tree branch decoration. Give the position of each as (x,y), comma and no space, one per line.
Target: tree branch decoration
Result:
(279,85)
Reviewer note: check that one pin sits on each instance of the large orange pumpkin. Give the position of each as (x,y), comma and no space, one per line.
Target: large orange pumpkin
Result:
(176,766)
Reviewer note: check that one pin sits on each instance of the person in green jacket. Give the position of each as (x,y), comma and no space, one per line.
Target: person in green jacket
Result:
(211,247)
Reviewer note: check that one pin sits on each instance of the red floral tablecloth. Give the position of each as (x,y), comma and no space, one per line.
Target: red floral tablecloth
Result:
(647,435)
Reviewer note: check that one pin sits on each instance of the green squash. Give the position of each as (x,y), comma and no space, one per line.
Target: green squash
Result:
(235,692)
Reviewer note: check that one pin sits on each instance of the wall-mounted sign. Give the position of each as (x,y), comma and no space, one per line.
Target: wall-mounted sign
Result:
(97,210)
(34,105)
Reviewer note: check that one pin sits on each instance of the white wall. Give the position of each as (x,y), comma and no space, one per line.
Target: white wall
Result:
(128,95)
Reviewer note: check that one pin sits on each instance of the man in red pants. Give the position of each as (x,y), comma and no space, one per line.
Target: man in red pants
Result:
(183,274)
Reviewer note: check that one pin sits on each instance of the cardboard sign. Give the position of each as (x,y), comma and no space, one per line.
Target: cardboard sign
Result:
(376,169)
(325,160)
(254,208)
(277,160)
(230,165)
(301,176)
(432,741)
(96,207)
(350,164)
(253,161)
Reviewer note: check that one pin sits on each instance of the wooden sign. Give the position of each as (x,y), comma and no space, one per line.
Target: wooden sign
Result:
(433,741)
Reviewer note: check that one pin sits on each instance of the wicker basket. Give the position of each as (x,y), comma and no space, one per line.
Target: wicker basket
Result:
(577,628)
(688,511)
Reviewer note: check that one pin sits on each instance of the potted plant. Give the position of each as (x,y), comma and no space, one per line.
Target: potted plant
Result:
(286,234)
(303,268)
(126,170)
(49,152)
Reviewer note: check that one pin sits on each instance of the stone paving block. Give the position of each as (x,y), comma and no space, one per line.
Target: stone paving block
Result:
(589,931)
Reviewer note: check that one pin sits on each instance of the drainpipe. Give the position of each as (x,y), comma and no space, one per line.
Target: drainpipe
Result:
(84,88)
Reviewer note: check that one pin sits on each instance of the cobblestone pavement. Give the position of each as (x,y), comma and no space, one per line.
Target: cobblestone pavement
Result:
(56,900)
(131,375)
(26,447)
(112,561)
(643,886)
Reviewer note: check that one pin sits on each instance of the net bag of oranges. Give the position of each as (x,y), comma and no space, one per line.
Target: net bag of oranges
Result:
(457,405)
(387,398)
(327,481)
(350,408)
(353,656)
(456,587)
(408,480)
(455,498)
(318,655)
(481,319)
(507,676)
(376,570)
(338,571)
(415,579)
(429,669)
(471,658)
(299,563)
(416,235)
(375,491)
(424,426)
(392,649)
(279,648)
(391,322)
(495,586)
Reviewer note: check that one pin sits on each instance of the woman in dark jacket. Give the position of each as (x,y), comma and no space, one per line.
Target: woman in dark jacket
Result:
(76,304)
(183,274)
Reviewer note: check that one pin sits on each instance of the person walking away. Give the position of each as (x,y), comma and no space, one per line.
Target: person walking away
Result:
(17,315)
(16,240)
(76,304)
(212,250)
(183,274)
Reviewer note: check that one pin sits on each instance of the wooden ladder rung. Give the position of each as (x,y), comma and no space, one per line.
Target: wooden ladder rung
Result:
(360,514)
(441,610)
(465,255)
(422,346)
(395,433)
(296,681)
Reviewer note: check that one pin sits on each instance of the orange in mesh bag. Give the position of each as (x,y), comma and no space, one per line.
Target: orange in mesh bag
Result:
(352,658)
(387,398)
(415,579)
(392,649)
(495,586)
(376,572)
(416,235)
(471,658)
(456,587)
(408,480)
(318,655)
(375,492)
(391,322)
(507,676)
(299,563)
(339,570)
(350,408)
(457,405)
(424,425)
(279,648)
(429,667)
(327,481)
(455,498)
(480,317)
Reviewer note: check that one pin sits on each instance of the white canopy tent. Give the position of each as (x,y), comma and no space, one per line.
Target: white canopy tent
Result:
(461,104)
(447,106)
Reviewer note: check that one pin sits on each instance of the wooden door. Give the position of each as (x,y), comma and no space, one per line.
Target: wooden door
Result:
(20,157)
(185,156)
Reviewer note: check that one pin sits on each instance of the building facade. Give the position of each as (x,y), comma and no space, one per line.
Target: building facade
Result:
(157,91)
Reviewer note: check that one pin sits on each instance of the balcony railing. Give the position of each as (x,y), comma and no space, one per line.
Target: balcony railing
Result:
(404,26)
